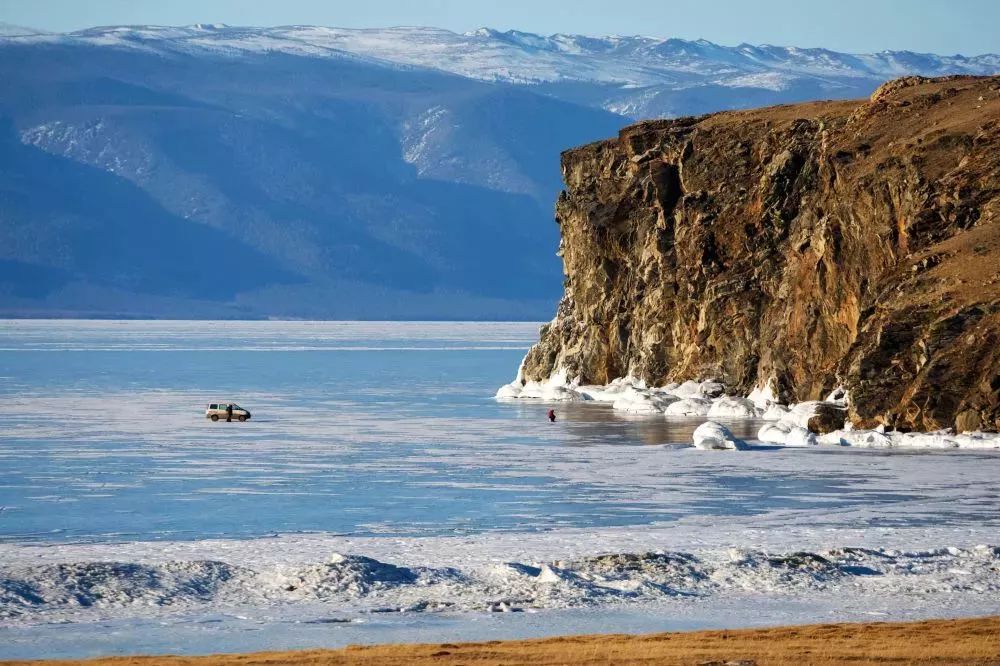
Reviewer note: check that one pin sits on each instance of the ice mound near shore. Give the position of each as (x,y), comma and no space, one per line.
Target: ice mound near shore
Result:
(360,584)
(789,424)
(631,395)
(352,575)
(712,435)
(118,584)
(787,434)
(728,407)
(942,439)
(635,401)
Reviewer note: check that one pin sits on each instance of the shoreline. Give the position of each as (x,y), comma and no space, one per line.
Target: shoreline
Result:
(952,641)
(797,425)
(294,593)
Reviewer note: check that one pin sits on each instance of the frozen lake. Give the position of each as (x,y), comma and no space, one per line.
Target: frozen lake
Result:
(357,429)
(383,440)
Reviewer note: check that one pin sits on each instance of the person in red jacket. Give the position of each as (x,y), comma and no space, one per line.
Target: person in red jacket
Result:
(552,415)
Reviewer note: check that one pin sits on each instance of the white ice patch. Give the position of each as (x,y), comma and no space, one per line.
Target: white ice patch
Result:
(510,391)
(611,392)
(763,397)
(689,407)
(712,435)
(733,408)
(799,414)
(942,439)
(791,425)
(542,391)
(557,388)
(839,396)
(638,401)
(866,439)
(688,389)
(774,412)
(633,396)
(786,434)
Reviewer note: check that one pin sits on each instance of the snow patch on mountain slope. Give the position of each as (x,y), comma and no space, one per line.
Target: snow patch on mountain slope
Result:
(418,135)
(440,146)
(96,142)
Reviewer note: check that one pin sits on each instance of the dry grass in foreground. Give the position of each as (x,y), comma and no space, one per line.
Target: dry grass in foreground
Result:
(940,642)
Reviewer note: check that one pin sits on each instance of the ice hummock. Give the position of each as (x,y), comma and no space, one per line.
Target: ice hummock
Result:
(940,439)
(556,388)
(631,395)
(712,435)
(732,407)
(787,434)
(359,584)
(689,407)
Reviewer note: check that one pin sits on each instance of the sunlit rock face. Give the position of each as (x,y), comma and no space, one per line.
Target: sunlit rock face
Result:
(800,248)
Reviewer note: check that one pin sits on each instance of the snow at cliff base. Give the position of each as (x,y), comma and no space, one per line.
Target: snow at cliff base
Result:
(788,425)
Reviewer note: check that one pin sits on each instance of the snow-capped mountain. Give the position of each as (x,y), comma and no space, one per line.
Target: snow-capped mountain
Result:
(523,57)
(631,75)
(213,170)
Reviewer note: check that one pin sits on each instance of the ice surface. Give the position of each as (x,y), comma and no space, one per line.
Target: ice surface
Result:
(130,507)
(464,578)
(63,335)
(32,593)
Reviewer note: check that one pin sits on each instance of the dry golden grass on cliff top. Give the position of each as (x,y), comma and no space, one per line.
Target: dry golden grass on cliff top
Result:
(939,642)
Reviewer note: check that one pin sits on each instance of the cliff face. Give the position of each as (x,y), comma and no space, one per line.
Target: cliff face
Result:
(799,247)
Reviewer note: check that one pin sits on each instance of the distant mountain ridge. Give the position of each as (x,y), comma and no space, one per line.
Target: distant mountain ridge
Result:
(634,67)
(490,54)
(221,171)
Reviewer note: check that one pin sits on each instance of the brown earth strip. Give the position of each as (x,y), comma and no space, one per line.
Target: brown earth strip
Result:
(940,642)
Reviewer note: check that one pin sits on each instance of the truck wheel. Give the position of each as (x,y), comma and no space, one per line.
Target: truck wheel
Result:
(214,417)
(242,418)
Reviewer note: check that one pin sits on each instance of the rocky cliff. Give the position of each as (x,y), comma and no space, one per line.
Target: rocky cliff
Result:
(800,248)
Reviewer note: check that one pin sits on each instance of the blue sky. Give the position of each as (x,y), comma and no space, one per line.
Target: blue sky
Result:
(958,26)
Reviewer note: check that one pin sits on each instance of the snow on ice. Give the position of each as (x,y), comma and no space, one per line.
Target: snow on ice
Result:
(74,590)
(788,425)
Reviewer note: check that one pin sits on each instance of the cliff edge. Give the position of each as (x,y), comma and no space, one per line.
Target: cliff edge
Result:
(800,248)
